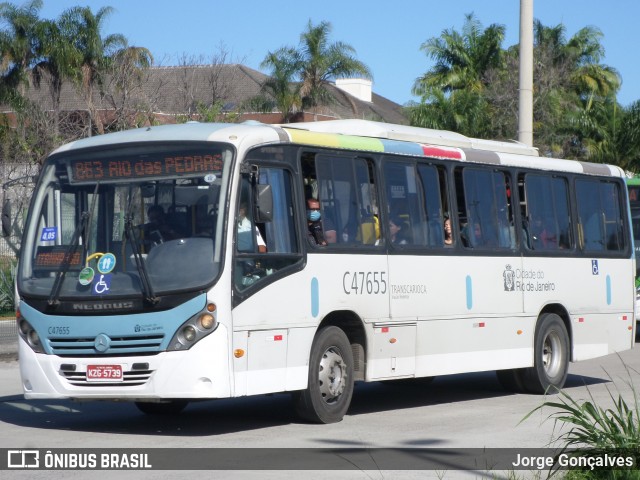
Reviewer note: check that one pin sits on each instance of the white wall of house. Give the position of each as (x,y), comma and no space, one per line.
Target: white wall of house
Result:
(358,87)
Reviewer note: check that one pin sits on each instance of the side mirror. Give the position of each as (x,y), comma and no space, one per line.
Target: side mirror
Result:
(264,203)
(6,218)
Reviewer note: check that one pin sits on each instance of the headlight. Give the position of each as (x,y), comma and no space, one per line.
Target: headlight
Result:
(189,333)
(28,333)
(206,321)
(195,329)
(34,339)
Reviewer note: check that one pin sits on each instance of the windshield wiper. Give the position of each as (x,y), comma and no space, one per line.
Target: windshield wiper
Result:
(130,235)
(85,221)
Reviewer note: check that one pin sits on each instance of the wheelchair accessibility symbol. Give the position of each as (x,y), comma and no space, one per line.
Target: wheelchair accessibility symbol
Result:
(102,286)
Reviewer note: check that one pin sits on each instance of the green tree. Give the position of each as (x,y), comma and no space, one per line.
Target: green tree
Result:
(20,47)
(95,51)
(461,59)
(58,60)
(315,64)
(127,75)
(280,85)
(320,62)
(452,91)
(574,107)
(465,111)
(611,134)
(18,43)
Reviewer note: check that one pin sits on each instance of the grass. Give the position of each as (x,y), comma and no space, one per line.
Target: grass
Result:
(586,429)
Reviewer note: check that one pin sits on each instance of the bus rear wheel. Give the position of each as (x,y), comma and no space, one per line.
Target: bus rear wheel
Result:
(330,387)
(171,407)
(551,357)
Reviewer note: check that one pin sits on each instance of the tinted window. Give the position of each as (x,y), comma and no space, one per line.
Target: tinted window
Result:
(484,208)
(599,215)
(546,217)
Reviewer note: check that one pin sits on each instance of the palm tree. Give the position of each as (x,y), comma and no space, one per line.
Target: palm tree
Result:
(570,77)
(58,60)
(461,58)
(18,43)
(127,73)
(280,85)
(452,93)
(319,62)
(85,27)
(578,60)
(628,138)
(465,111)
(315,64)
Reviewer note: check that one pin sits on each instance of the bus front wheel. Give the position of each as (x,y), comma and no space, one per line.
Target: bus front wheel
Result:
(330,387)
(551,357)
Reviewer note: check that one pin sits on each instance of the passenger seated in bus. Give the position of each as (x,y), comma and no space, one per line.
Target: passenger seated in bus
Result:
(472,235)
(542,236)
(397,234)
(315,226)
(448,232)
(245,242)
(366,233)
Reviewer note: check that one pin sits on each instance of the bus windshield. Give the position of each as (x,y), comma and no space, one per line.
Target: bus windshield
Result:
(134,222)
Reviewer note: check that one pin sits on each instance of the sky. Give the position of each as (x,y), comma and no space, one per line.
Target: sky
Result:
(386,36)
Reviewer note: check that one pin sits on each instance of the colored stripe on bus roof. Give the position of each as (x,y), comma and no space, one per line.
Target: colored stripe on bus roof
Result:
(336,141)
(372,144)
(442,152)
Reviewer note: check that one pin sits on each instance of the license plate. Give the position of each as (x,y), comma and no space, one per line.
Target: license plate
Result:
(104,373)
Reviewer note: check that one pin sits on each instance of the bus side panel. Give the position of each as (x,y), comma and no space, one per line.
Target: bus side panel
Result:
(468,312)
(597,294)
(458,346)
(426,287)
(276,325)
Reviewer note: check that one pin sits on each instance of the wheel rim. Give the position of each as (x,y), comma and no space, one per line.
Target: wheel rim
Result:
(332,376)
(552,354)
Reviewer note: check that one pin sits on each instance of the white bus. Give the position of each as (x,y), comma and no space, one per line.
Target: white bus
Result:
(177,263)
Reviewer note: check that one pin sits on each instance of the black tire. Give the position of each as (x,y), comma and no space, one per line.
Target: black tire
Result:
(551,357)
(330,388)
(171,407)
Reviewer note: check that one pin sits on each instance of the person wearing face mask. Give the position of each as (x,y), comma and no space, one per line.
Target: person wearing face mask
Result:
(318,235)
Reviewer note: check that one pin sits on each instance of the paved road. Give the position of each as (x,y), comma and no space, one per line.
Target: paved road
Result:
(459,411)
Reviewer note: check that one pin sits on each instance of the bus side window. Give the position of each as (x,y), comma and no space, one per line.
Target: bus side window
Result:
(263,249)
(346,190)
(484,206)
(433,193)
(546,215)
(600,217)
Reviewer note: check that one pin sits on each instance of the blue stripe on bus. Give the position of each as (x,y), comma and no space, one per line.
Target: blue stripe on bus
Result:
(608,290)
(407,148)
(315,297)
(469,293)
(144,332)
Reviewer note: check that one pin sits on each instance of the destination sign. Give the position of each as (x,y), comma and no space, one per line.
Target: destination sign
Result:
(105,169)
(51,258)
